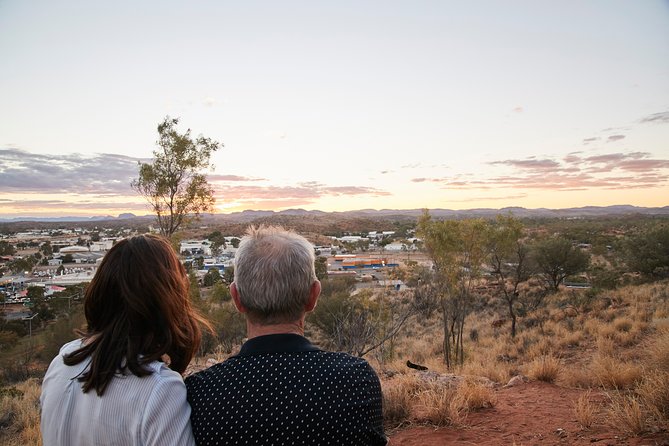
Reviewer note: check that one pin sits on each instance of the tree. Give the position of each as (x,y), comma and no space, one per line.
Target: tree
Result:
(46,249)
(509,261)
(321,265)
(173,183)
(556,259)
(217,242)
(457,249)
(648,253)
(211,277)
(6,248)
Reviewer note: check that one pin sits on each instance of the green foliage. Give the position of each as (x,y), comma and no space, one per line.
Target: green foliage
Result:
(321,265)
(61,331)
(6,248)
(349,323)
(648,252)
(229,328)
(458,249)
(220,293)
(229,274)
(235,242)
(7,339)
(211,277)
(556,259)
(194,291)
(22,265)
(172,182)
(217,242)
(509,262)
(67,258)
(40,305)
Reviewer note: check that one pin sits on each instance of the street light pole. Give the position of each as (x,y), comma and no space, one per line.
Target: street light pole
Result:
(30,320)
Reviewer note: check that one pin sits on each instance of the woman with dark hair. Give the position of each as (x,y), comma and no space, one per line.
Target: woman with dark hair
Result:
(121,383)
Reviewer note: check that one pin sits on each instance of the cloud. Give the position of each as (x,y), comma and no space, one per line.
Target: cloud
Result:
(101,173)
(492,198)
(213,178)
(609,171)
(209,102)
(614,138)
(424,180)
(656,118)
(271,197)
(589,140)
(75,205)
(530,163)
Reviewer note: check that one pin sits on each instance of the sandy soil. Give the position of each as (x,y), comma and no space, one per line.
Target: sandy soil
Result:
(530,414)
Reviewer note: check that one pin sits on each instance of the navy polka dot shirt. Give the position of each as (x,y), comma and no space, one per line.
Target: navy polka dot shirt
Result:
(281,390)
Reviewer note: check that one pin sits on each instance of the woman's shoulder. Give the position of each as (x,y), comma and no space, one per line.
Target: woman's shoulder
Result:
(71,347)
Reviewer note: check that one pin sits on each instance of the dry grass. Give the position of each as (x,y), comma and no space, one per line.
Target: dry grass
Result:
(626,413)
(654,394)
(545,368)
(585,410)
(439,407)
(658,352)
(22,406)
(612,373)
(471,396)
(398,397)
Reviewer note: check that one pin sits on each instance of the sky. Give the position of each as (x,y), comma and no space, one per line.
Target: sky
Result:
(339,105)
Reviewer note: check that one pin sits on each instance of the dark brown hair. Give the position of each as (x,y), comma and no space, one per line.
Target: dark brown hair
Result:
(137,309)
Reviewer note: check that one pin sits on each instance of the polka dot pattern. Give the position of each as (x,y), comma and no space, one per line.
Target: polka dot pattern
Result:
(286,392)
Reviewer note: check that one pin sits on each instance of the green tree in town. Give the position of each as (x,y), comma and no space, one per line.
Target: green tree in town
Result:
(556,259)
(321,265)
(6,248)
(211,277)
(46,249)
(648,252)
(173,183)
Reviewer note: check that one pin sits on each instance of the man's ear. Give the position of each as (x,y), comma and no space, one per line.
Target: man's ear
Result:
(314,292)
(235,298)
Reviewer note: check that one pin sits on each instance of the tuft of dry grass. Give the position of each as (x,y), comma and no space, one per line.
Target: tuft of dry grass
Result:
(22,406)
(612,373)
(439,407)
(545,368)
(654,394)
(471,396)
(626,413)
(585,410)
(398,396)
(658,352)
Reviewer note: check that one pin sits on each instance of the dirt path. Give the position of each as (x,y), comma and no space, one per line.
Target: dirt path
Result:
(530,414)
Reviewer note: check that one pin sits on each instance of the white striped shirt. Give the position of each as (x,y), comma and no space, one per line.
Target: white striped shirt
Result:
(133,411)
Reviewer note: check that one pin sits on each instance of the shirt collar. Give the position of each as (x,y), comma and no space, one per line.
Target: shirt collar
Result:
(277,343)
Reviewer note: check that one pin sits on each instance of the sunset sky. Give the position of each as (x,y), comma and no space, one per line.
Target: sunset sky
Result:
(338,105)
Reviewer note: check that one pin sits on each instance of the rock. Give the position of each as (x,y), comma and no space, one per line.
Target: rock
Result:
(517,380)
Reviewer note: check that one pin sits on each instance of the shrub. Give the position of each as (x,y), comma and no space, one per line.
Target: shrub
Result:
(545,368)
(398,396)
(613,373)
(585,411)
(626,413)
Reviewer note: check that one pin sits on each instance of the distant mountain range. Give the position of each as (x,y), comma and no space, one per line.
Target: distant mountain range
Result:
(248,216)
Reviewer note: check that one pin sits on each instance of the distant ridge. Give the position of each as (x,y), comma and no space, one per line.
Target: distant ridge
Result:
(251,215)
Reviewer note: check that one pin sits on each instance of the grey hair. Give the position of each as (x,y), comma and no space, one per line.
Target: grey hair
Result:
(274,272)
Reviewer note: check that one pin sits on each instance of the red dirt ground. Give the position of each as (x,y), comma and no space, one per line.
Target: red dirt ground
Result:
(529,414)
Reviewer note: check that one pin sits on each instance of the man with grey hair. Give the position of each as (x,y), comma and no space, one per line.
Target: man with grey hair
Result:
(280,389)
